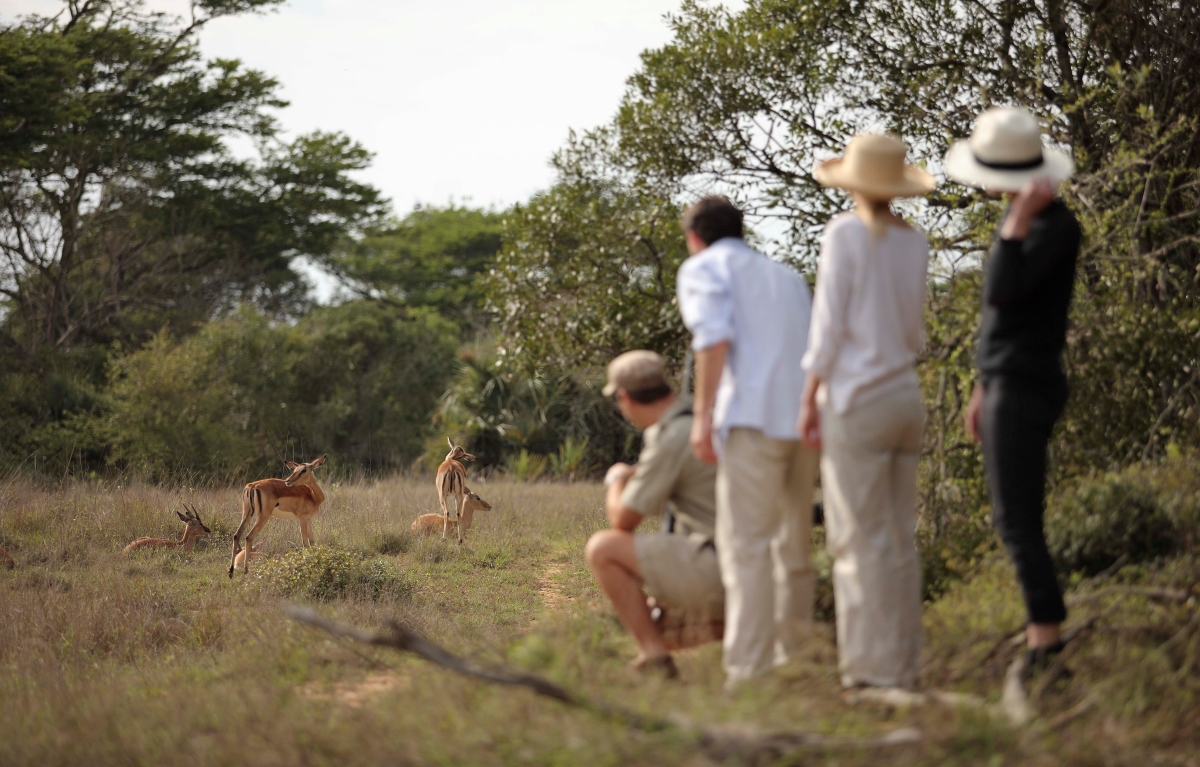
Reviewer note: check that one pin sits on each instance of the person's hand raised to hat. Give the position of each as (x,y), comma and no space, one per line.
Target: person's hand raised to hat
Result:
(1031,200)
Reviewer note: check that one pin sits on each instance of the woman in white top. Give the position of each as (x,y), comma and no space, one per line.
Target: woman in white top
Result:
(862,405)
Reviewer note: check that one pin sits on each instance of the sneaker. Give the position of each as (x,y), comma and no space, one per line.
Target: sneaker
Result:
(1040,660)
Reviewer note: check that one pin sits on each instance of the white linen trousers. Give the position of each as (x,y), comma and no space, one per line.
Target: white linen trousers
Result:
(869,489)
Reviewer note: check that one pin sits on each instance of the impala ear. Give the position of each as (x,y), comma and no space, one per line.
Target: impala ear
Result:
(318,462)
(290,464)
(451,443)
(181,516)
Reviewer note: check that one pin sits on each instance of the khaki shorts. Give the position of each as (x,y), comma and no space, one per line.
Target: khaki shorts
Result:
(680,570)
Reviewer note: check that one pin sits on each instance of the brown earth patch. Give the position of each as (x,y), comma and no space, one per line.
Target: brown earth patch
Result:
(355,694)
(551,592)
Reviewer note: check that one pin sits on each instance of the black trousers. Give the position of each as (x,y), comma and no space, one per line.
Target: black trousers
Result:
(1018,416)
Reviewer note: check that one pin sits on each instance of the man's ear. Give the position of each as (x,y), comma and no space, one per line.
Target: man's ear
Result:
(290,464)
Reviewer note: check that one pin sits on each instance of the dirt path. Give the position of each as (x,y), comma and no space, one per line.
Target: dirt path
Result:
(355,694)
(552,593)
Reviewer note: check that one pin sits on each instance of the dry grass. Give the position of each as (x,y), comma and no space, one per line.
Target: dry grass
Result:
(159,658)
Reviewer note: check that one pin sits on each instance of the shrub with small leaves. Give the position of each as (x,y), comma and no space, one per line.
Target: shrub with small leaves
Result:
(324,572)
(1142,512)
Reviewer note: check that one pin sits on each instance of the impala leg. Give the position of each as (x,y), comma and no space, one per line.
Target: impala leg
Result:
(306,532)
(237,540)
(458,504)
(445,518)
(260,523)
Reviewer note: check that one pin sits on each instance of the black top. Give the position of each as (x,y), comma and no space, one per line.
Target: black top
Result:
(1026,295)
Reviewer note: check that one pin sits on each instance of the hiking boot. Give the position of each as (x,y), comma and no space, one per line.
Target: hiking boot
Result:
(1045,665)
(1041,659)
(663,665)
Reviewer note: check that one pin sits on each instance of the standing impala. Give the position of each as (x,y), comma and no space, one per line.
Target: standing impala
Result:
(452,480)
(298,497)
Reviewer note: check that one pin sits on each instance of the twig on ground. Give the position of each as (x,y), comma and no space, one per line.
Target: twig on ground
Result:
(1009,642)
(721,742)
(1073,713)
(1111,570)
(1178,596)
(1182,634)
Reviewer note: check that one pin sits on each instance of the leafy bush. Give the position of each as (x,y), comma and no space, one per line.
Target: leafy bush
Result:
(1142,512)
(1103,519)
(323,572)
(570,459)
(525,466)
(494,411)
(359,381)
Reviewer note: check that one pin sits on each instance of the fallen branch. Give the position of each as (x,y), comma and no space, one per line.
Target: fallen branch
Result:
(1178,596)
(720,742)
(1008,642)
(1073,713)
(1181,635)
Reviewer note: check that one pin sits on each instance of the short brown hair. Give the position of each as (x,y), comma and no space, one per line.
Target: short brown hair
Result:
(651,395)
(713,218)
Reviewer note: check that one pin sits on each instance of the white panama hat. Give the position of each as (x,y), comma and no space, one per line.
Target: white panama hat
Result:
(1005,152)
(874,165)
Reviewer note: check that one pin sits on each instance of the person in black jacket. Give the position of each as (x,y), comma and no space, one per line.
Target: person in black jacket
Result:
(1029,278)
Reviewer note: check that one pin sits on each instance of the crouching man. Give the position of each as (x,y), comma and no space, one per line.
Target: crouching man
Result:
(679,569)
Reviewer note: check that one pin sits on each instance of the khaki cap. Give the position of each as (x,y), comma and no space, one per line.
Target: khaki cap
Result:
(635,371)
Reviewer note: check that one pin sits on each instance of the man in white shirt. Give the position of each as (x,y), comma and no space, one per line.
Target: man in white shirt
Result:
(749,317)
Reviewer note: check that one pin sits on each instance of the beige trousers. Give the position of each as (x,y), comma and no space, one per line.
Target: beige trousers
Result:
(764,524)
(869,489)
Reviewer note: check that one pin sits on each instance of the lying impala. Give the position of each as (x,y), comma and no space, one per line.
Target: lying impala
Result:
(452,481)
(428,524)
(298,497)
(193,529)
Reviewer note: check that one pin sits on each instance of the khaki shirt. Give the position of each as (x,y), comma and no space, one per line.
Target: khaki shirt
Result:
(667,472)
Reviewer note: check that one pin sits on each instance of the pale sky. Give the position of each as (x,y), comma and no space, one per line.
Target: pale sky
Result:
(462,99)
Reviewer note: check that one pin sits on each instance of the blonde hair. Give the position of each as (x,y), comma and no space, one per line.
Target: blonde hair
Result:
(874,212)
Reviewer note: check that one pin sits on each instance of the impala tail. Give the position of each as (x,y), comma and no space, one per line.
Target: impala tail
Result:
(251,508)
(452,483)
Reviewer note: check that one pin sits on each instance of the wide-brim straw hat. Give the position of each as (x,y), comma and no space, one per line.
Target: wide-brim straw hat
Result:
(1005,152)
(874,165)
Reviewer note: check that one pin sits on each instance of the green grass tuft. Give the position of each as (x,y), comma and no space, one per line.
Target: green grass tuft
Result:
(325,573)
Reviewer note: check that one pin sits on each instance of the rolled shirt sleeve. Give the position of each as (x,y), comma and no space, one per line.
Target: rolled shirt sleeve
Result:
(705,302)
(835,281)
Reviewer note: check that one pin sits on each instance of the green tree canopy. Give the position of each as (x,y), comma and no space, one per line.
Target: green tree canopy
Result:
(118,196)
(360,381)
(432,258)
(123,212)
(588,268)
(746,102)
